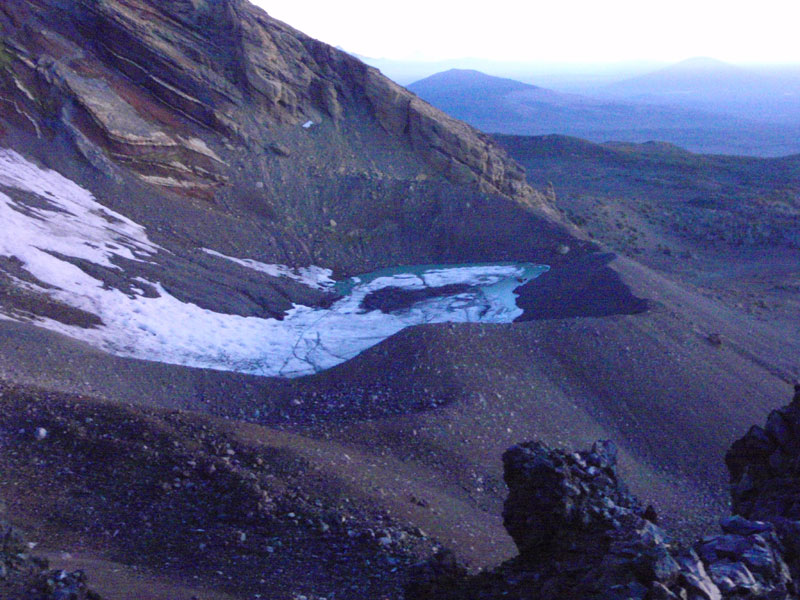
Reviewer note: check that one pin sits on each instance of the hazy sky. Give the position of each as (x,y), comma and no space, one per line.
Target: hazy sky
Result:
(553,31)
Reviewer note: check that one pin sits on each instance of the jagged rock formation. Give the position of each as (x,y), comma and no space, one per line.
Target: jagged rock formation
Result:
(580,534)
(765,476)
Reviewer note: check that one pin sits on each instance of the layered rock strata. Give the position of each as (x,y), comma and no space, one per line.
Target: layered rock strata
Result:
(154,86)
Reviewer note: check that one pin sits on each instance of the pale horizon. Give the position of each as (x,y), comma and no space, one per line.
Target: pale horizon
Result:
(579,31)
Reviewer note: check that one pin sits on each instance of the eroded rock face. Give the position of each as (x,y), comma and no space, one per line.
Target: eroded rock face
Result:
(764,467)
(148,82)
(557,499)
(580,534)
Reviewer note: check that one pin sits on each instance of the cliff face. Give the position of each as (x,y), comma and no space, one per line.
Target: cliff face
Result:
(154,86)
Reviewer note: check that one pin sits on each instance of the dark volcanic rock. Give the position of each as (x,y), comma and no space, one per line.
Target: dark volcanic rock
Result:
(765,476)
(557,499)
(581,535)
(390,299)
(25,576)
(586,288)
(764,467)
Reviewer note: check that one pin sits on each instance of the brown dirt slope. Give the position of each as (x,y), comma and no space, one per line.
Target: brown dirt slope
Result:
(443,402)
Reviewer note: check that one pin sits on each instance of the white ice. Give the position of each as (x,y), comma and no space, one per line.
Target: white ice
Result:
(312,276)
(165,329)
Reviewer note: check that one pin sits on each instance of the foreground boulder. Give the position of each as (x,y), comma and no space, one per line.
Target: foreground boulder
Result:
(764,467)
(23,576)
(581,534)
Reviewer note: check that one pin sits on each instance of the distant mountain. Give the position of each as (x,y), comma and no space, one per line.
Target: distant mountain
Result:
(471,86)
(469,80)
(698,77)
(499,105)
(561,76)
(764,94)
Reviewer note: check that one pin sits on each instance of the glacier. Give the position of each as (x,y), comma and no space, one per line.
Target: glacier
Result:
(66,222)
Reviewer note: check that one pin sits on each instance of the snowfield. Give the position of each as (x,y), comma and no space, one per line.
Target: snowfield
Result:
(48,219)
(312,276)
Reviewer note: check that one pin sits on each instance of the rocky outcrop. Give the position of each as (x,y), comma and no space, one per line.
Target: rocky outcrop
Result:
(764,467)
(765,476)
(52,80)
(558,500)
(580,533)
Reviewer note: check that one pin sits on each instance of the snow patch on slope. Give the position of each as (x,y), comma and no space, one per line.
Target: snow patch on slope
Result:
(66,221)
(312,276)
(71,222)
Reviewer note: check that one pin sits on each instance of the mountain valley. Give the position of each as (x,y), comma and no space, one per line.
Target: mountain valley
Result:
(184,179)
(703,119)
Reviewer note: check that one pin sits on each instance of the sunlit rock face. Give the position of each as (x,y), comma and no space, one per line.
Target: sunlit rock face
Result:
(65,248)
